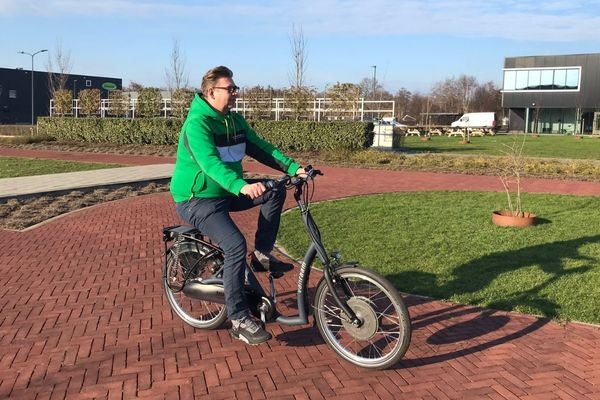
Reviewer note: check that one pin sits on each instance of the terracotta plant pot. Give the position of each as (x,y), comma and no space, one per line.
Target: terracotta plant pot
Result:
(510,218)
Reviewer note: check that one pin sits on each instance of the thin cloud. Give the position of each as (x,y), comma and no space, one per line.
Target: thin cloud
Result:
(556,21)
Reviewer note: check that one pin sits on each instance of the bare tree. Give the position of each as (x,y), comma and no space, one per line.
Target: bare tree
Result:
(454,94)
(299,94)
(366,89)
(134,87)
(403,97)
(299,58)
(175,74)
(59,69)
(487,97)
(466,87)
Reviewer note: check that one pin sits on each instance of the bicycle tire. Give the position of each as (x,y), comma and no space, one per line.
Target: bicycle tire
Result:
(182,258)
(383,338)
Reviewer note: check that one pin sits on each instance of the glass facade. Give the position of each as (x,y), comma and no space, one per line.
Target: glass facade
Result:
(542,79)
(553,120)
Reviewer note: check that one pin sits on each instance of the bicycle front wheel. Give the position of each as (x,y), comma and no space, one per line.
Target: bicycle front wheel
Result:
(192,260)
(384,334)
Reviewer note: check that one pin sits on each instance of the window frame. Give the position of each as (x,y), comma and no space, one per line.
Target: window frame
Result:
(515,73)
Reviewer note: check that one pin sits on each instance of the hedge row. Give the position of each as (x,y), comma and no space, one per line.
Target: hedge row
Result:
(309,135)
(287,135)
(111,130)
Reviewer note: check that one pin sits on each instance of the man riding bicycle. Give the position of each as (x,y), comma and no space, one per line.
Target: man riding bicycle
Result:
(208,184)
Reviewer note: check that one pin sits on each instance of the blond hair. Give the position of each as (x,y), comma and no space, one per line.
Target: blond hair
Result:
(211,77)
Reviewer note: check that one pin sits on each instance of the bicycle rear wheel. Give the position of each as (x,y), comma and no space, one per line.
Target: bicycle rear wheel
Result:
(192,260)
(385,333)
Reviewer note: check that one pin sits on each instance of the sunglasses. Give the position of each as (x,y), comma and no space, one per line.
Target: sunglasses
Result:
(230,89)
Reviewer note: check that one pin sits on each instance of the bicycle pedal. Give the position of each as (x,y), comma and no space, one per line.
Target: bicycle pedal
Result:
(276,274)
(257,267)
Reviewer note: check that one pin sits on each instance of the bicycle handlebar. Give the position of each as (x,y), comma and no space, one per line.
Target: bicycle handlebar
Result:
(271,184)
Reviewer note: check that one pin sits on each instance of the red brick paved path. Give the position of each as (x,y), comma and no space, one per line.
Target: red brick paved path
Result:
(83,315)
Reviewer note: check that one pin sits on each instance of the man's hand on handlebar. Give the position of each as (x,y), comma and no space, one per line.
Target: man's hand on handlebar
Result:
(253,190)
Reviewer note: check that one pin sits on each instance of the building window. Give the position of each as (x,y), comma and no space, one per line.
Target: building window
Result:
(510,80)
(12,94)
(572,81)
(542,79)
(547,77)
(88,83)
(533,81)
(560,77)
(522,80)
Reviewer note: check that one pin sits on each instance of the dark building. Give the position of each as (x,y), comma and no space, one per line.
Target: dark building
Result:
(15,92)
(552,94)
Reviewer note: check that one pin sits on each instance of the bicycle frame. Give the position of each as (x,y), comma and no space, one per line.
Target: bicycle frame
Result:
(316,248)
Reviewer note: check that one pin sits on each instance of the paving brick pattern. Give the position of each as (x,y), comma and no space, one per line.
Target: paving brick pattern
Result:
(83,316)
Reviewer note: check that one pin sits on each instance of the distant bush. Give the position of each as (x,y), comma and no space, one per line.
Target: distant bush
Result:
(63,102)
(149,103)
(310,135)
(89,102)
(118,104)
(180,102)
(287,135)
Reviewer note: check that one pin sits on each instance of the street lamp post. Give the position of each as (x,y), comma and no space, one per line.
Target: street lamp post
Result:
(32,91)
(374,82)
(374,79)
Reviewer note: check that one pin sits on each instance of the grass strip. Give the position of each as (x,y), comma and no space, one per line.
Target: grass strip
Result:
(12,167)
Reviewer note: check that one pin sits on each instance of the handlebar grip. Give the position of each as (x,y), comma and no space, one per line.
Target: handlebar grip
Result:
(269,184)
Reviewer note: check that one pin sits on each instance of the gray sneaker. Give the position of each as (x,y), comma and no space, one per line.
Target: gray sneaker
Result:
(248,331)
(268,262)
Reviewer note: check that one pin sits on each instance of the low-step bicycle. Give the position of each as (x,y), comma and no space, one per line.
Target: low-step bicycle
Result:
(359,314)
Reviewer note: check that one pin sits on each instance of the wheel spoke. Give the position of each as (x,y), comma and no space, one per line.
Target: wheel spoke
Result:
(189,261)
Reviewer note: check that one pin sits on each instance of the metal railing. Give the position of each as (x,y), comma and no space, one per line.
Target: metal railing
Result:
(317,109)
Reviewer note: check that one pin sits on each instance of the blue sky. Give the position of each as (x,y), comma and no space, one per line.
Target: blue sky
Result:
(414,44)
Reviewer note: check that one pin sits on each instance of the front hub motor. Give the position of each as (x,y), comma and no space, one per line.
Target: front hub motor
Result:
(363,310)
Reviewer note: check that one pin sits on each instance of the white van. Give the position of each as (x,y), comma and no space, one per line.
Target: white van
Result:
(476,120)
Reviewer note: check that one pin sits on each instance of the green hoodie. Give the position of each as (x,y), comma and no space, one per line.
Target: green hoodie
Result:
(210,152)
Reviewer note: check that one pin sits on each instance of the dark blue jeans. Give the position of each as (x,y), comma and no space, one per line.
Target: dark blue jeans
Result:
(211,217)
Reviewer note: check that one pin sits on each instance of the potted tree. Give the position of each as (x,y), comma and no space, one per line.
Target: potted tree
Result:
(511,168)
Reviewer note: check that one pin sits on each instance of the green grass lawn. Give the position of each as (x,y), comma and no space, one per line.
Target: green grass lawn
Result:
(544,146)
(443,245)
(11,167)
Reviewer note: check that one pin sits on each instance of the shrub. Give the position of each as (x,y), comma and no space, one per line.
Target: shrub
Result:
(89,102)
(118,104)
(112,130)
(63,102)
(315,136)
(180,102)
(149,103)
(287,135)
